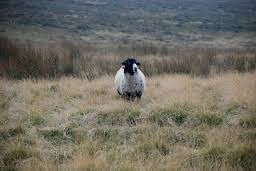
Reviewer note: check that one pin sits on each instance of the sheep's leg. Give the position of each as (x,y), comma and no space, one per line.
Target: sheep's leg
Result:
(126,96)
(118,92)
(129,96)
(138,94)
(132,98)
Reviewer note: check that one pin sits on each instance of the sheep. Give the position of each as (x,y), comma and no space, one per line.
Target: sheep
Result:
(129,80)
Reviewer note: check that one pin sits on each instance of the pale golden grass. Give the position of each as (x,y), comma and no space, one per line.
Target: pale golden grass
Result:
(74,123)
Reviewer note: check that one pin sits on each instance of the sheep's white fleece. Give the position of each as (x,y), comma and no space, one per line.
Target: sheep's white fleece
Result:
(126,83)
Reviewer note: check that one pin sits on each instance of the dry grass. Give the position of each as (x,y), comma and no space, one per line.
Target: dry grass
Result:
(182,122)
(91,61)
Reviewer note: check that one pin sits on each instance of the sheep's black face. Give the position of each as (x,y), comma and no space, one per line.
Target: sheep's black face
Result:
(130,66)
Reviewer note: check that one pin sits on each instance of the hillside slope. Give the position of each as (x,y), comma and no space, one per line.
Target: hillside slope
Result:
(166,21)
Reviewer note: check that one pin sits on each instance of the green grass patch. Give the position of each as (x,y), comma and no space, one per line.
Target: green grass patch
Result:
(57,136)
(37,120)
(16,131)
(119,117)
(209,157)
(232,109)
(112,136)
(11,132)
(148,148)
(245,157)
(215,157)
(167,116)
(16,154)
(248,135)
(190,139)
(214,154)
(53,88)
(91,147)
(84,112)
(248,122)
(210,119)
(162,148)
(100,92)
(5,100)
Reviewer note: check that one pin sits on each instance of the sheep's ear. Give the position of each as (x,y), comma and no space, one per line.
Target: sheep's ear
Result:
(138,63)
(124,63)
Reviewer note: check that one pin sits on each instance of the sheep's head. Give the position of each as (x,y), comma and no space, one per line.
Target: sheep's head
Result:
(130,66)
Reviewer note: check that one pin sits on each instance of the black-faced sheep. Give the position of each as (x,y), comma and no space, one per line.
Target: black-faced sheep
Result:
(129,80)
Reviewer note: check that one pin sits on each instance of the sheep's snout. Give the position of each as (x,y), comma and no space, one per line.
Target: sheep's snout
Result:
(130,69)
(135,69)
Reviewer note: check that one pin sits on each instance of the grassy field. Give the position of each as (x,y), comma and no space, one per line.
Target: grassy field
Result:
(59,109)
(182,122)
